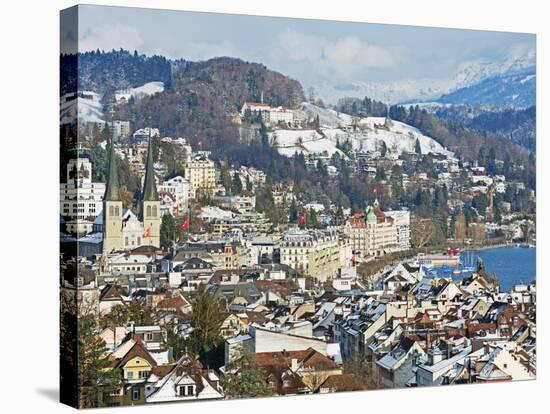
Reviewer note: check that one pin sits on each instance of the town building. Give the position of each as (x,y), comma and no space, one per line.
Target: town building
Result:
(314,253)
(113,226)
(201,173)
(374,233)
(81,199)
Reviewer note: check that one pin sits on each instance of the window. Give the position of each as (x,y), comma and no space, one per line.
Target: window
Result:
(111,211)
(154,211)
(143,374)
(135,394)
(186,390)
(148,214)
(148,336)
(130,375)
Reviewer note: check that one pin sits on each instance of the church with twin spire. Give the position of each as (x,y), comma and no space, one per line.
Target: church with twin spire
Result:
(122,229)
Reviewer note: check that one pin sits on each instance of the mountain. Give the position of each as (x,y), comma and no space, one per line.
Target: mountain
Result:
(202,97)
(517,125)
(431,89)
(510,90)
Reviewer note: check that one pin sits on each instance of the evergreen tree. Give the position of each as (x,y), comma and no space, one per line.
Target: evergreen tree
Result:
(206,320)
(225,177)
(95,378)
(417,147)
(264,137)
(311,218)
(236,185)
(293,212)
(168,231)
(244,378)
(383,149)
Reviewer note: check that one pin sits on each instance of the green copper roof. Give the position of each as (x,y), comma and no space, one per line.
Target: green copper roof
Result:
(370,214)
(112,192)
(149,185)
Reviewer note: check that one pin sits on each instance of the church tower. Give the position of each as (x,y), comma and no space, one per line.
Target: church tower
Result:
(150,209)
(112,208)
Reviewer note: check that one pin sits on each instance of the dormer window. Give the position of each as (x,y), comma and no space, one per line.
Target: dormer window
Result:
(186,390)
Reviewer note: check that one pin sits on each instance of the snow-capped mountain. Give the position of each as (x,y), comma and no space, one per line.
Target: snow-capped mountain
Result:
(516,90)
(429,89)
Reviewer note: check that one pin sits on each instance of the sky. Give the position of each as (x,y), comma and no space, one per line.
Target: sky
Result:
(313,51)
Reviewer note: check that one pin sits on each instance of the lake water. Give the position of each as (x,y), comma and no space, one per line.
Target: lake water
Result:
(512,265)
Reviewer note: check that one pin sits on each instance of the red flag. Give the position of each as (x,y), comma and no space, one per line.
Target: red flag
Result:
(303,219)
(147,233)
(185,224)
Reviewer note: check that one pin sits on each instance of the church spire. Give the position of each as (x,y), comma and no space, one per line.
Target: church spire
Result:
(112,192)
(149,185)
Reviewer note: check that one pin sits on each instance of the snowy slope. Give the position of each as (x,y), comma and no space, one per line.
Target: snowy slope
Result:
(368,135)
(149,88)
(327,117)
(307,141)
(87,107)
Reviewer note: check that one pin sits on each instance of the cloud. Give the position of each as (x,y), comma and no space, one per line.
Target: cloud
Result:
(111,37)
(205,51)
(341,58)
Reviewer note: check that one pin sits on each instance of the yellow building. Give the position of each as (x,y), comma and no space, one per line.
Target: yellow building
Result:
(201,173)
(315,253)
(135,367)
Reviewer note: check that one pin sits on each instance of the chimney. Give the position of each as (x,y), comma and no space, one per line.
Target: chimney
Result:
(449,349)
(294,365)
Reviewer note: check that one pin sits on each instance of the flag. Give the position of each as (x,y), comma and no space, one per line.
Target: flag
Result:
(147,233)
(185,224)
(303,219)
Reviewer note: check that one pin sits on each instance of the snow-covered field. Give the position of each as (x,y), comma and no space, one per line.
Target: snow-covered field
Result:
(87,107)
(149,88)
(327,117)
(307,141)
(367,136)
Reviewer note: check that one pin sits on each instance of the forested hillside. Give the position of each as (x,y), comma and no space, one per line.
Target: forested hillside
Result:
(105,72)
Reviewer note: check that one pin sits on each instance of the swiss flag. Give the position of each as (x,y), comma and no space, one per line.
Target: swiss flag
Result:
(147,233)
(303,219)
(185,224)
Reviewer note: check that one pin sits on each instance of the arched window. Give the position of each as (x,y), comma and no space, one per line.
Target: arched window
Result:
(154,211)
(148,211)
(111,211)
(117,211)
